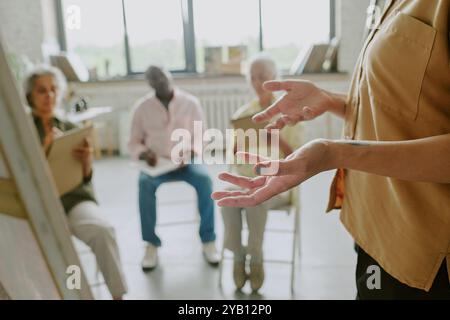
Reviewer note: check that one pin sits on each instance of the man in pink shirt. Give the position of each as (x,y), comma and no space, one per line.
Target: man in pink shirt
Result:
(155,117)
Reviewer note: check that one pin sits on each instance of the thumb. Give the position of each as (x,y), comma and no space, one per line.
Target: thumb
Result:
(276,168)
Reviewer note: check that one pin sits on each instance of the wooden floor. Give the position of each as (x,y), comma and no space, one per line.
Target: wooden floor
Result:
(325,270)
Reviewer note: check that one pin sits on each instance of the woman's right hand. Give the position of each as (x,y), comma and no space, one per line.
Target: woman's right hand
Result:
(303,101)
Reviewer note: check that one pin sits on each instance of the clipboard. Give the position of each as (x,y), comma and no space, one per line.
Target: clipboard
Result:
(246,123)
(66,170)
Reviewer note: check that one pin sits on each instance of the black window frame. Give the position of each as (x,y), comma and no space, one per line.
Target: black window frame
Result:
(187,8)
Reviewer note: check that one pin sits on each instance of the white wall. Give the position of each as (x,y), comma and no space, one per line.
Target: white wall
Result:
(22,27)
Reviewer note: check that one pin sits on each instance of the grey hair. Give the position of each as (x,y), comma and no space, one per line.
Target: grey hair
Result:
(266,61)
(45,70)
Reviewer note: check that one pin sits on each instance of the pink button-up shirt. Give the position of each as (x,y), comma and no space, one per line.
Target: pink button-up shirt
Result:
(153,123)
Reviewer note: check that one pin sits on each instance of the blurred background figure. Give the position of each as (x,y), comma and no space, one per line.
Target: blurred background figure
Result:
(44,88)
(155,117)
(262,68)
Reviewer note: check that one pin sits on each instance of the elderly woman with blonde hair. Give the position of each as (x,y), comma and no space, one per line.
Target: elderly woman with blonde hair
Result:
(44,88)
(262,68)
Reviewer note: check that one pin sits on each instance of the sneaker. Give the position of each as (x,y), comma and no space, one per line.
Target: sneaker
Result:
(150,259)
(239,274)
(210,253)
(256,276)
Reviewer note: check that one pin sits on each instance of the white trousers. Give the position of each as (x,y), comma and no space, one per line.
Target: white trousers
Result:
(86,223)
(256,222)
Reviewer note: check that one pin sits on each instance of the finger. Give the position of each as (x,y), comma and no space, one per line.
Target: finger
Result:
(78,157)
(243,182)
(248,200)
(292,120)
(274,186)
(277,85)
(218,195)
(308,113)
(86,142)
(250,157)
(242,201)
(277,168)
(78,151)
(268,113)
(279,124)
(86,151)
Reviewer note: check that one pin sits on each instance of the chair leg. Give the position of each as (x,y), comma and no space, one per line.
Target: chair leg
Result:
(97,271)
(296,239)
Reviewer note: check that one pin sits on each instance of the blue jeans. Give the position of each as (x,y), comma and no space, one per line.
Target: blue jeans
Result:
(196,176)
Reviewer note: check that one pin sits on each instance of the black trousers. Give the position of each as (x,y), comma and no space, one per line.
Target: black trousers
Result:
(389,288)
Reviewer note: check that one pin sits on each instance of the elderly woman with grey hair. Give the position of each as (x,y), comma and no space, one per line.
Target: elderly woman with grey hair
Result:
(262,69)
(44,88)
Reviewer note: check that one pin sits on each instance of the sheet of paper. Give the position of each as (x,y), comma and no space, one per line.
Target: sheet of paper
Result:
(163,166)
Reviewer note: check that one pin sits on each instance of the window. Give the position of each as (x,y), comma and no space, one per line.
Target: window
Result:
(225,23)
(289,26)
(120,37)
(153,40)
(99,42)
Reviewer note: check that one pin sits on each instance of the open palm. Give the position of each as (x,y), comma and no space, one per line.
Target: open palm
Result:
(298,167)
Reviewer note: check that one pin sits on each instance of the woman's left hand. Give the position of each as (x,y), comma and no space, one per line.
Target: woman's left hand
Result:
(84,153)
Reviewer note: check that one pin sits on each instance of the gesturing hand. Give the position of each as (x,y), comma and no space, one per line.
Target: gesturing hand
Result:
(302,101)
(301,165)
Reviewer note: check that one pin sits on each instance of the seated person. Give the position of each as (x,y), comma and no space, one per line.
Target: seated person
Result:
(155,117)
(262,69)
(44,88)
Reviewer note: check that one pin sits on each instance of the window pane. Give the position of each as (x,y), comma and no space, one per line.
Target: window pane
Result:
(290,25)
(155,33)
(225,23)
(94,30)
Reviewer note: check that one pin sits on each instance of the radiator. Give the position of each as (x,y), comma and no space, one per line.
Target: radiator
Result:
(219,107)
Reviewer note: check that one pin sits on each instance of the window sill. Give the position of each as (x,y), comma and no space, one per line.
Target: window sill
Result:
(333,76)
